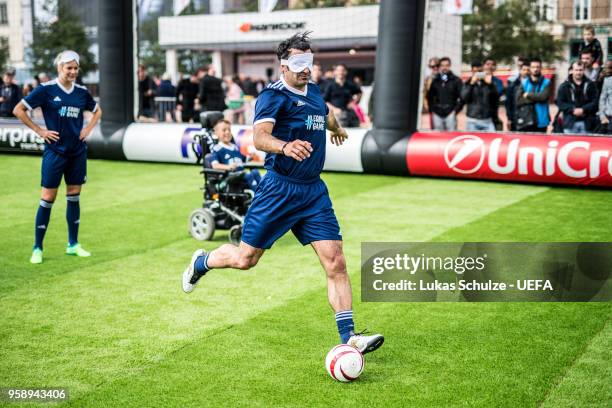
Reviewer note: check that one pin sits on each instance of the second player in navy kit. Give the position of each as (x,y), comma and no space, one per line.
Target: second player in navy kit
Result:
(290,124)
(62,102)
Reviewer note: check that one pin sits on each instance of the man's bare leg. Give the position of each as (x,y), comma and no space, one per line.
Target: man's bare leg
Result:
(332,259)
(243,257)
(340,296)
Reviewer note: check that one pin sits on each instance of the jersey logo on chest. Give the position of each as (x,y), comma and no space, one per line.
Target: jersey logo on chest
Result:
(315,122)
(69,111)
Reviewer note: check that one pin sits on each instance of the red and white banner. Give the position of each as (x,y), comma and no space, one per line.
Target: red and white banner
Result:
(563,159)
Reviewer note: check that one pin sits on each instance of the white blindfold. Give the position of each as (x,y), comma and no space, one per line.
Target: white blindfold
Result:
(299,62)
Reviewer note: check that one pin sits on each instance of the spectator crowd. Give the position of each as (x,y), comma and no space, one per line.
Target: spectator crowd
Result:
(160,100)
(583,100)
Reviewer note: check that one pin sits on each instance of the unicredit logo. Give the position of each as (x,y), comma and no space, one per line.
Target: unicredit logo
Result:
(465,154)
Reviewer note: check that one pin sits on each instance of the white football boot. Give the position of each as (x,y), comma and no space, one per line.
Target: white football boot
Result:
(190,277)
(366,343)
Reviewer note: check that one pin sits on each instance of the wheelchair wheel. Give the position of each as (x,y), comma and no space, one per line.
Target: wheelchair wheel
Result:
(235,234)
(201,224)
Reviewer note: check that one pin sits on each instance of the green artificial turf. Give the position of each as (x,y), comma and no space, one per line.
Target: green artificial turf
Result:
(116,329)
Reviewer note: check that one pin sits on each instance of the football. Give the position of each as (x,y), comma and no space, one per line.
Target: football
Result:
(344,363)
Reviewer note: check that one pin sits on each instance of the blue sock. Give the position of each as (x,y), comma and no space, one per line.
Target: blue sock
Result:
(73,215)
(42,222)
(344,320)
(201,264)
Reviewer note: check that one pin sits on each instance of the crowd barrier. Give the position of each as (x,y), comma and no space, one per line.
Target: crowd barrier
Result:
(534,158)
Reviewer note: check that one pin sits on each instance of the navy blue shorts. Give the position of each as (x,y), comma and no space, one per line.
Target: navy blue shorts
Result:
(282,204)
(56,165)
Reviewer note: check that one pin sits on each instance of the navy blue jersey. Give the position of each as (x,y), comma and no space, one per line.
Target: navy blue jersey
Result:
(296,115)
(227,154)
(63,112)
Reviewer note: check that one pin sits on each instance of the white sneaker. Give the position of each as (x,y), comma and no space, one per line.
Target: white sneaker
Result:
(190,278)
(366,344)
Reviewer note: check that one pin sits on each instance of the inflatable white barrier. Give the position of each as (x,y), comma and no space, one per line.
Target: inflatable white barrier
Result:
(174,143)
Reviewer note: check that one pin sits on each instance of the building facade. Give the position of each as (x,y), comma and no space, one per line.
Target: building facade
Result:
(16,30)
(245,42)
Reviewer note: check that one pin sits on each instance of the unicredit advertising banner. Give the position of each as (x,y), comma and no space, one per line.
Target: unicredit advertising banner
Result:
(579,160)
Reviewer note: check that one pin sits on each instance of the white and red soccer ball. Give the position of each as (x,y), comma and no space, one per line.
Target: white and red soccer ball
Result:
(344,363)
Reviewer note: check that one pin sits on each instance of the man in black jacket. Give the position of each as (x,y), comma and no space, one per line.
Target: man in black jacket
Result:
(511,91)
(444,97)
(10,95)
(186,93)
(211,95)
(480,95)
(577,99)
(146,94)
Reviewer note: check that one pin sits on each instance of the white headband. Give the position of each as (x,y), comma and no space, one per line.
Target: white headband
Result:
(67,56)
(299,62)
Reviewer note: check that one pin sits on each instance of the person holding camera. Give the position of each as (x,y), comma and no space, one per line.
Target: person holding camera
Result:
(480,94)
(444,97)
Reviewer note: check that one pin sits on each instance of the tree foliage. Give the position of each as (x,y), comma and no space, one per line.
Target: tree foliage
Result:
(505,32)
(150,53)
(66,32)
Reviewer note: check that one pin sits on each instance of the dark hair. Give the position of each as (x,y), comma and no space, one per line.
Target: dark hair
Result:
(476,64)
(536,59)
(341,65)
(586,52)
(223,120)
(299,41)
(488,59)
(445,59)
(523,60)
(589,28)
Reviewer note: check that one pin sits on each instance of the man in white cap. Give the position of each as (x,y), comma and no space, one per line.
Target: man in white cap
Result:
(62,102)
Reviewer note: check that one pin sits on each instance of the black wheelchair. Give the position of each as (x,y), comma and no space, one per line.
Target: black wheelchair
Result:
(226,194)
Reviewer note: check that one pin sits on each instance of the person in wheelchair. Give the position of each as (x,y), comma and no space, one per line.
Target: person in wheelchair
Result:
(225,155)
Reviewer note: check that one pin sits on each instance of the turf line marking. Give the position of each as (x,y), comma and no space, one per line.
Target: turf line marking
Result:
(559,381)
